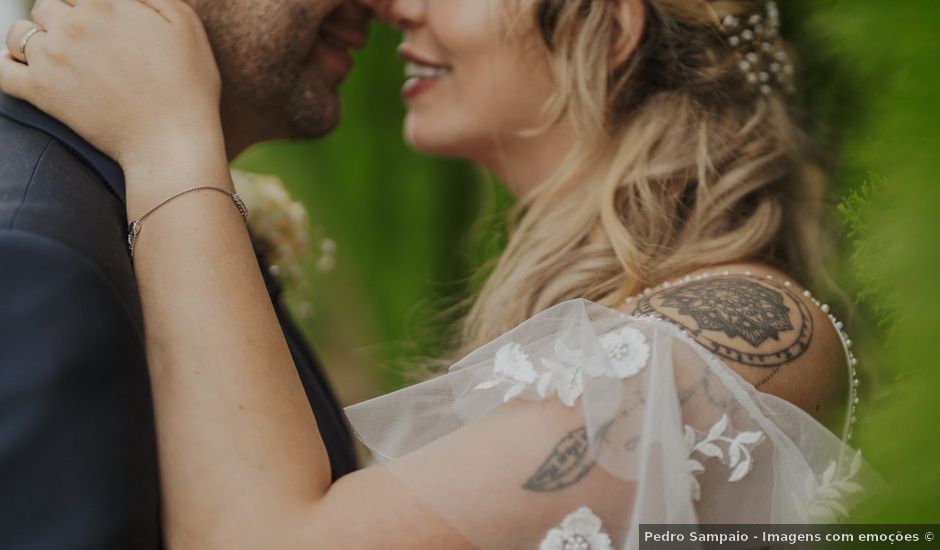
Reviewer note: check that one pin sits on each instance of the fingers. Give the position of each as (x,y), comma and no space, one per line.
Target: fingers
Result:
(22,37)
(46,12)
(14,76)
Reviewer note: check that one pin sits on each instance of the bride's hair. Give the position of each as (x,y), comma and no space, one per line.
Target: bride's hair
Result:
(681,164)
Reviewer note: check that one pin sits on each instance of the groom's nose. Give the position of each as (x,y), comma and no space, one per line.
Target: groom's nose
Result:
(381,8)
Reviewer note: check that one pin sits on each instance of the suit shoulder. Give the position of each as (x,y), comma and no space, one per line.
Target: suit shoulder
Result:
(46,191)
(42,180)
(77,410)
(41,273)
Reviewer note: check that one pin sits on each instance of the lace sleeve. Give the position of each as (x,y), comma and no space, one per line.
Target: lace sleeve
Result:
(582,423)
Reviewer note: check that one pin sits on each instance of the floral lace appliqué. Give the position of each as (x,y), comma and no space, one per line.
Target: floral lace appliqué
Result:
(826,501)
(627,350)
(580,530)
(564,373)
(738,458)
(511,367)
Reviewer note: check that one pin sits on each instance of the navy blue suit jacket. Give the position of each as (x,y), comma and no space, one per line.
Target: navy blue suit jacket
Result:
(77,445)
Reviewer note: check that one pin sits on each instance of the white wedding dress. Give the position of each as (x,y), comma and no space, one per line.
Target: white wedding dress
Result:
(582,423)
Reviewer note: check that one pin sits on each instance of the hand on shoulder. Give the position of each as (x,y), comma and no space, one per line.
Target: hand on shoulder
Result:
(126,76)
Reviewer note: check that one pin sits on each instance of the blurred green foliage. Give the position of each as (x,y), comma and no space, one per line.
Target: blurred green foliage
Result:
(887,172)
(404,222)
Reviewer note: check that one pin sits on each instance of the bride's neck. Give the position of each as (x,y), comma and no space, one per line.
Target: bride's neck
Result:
(525,162)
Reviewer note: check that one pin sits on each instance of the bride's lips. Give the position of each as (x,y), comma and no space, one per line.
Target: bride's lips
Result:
(421,73)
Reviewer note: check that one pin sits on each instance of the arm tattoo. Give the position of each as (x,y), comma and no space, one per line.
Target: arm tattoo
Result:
(571,459)
(767,323)
(568,463)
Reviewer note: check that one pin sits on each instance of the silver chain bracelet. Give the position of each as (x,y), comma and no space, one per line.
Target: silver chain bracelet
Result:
(133,230)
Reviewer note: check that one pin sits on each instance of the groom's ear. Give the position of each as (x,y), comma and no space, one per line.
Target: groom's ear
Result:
(630,22)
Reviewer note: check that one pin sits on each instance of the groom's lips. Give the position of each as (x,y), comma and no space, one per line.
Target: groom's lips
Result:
(348,38)
(335,47)
(344,30)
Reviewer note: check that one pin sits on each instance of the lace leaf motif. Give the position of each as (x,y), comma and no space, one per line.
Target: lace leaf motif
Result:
(825,502)
(738,458)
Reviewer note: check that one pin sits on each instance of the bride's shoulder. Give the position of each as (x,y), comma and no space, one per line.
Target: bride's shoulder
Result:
(762,324)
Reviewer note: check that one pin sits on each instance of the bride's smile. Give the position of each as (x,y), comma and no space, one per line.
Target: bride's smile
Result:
(421,74)
(476,78)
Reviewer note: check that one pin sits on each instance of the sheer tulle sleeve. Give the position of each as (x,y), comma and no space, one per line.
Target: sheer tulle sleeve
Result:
(582,423)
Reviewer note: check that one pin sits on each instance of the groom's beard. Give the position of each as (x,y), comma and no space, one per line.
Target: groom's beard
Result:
(267,54)
(293,92)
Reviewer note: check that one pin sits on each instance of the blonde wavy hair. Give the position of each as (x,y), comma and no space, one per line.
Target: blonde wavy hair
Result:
(680,165)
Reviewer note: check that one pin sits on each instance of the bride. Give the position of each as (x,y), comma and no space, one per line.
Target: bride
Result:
(643,352)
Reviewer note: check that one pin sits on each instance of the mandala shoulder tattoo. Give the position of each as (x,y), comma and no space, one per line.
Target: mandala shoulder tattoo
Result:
(746,319)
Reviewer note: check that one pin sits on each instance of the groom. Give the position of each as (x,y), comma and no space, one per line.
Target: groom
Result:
(77,446)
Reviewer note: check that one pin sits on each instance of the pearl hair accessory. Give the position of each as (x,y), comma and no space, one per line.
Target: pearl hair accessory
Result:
(854,381)
(759,51)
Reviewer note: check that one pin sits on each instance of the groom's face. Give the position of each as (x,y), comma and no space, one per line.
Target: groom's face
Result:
(283,60)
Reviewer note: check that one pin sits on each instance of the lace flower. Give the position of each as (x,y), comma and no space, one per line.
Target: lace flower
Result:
(627,350)
(580,530)
(564,374)
(510,366)
(564,378)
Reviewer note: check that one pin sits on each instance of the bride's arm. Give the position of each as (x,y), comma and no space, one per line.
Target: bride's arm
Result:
(236,433)
(241,460)
(237,439)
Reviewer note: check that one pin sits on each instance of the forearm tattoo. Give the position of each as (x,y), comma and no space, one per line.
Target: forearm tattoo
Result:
(570,460)
(568,463)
